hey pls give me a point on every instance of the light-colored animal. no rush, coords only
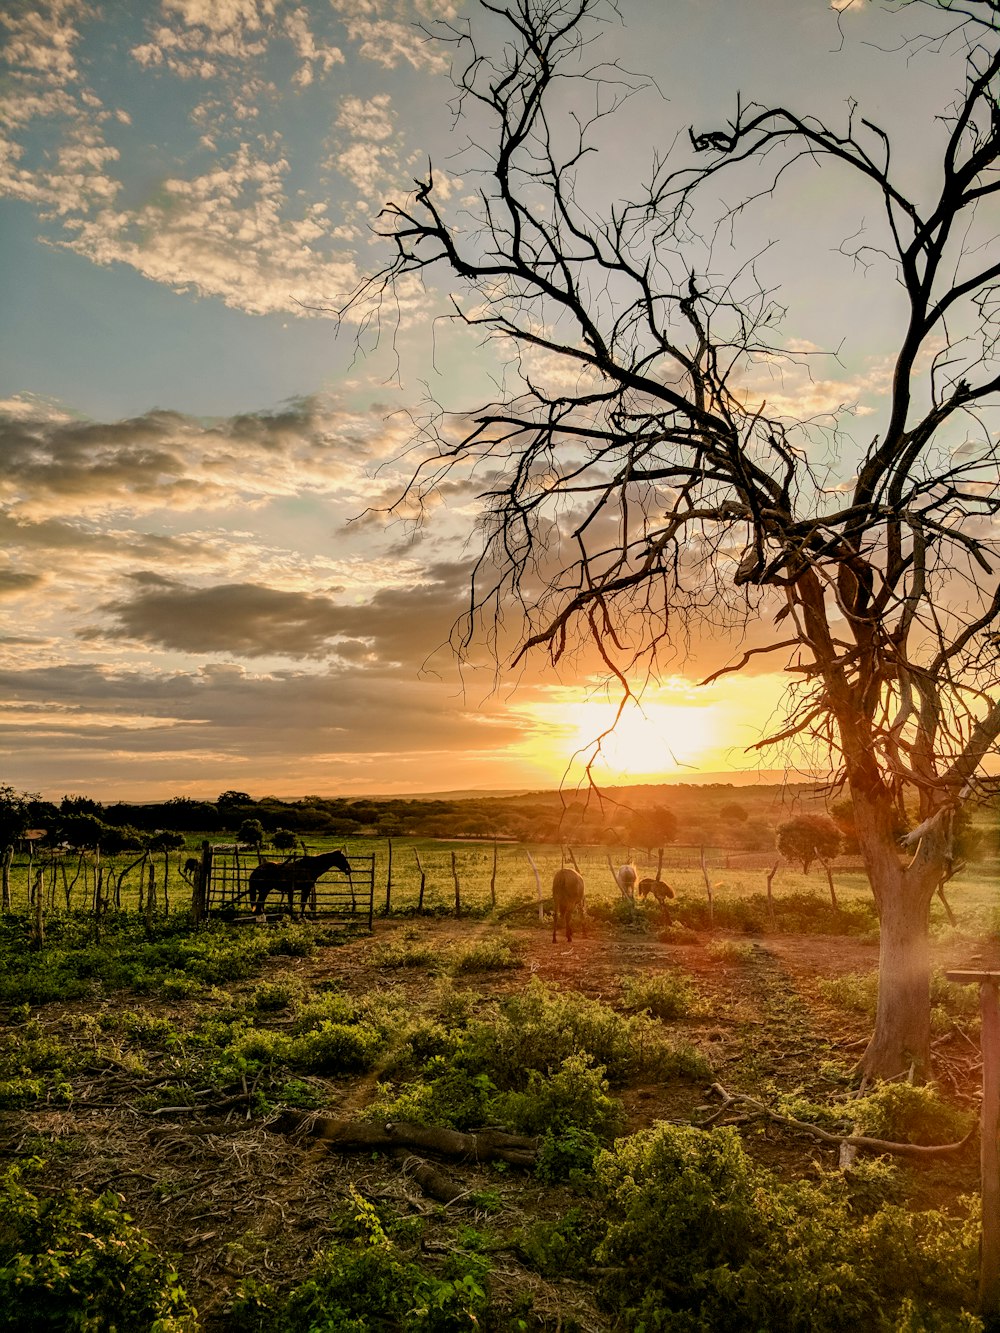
(567, 896)
(626, 877)
(291, 877)
(657, 887)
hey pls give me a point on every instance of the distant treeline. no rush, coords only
(719, 814)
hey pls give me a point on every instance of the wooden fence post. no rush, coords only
(708, 889)
(493, 879)
(458, 892)
(423, 880)
(538, 884)
(989, 1141)
(8, 856)
(770, 900)
(199, 898)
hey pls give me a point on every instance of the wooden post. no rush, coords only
(659, 864)
(388, 880)
(770, 901)
(38, 927)
(833, 891)
(199, 898)
(708, 888)
(538, 884)
(8, 856)
(989, 1140)
(423, 880)
(151, 895)
(493, 879)
(458, 892)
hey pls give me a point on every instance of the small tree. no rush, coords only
(284, 840)
(15, 816)
(808, 838)
(734, 813)
(227, 800)
(653, 827)
(251, 832)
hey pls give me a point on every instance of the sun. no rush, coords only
(649, 739)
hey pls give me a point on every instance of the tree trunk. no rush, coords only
(902, 1037)
(901, 1041)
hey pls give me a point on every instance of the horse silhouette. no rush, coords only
(289, 877)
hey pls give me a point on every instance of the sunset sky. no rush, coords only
(196, 593)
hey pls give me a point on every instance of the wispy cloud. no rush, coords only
(221, 218)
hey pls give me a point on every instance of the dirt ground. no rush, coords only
(233, 1198)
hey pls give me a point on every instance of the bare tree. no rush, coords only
(661, 495)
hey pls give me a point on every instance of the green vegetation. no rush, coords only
(700, 1238)
(662, 994)
(143, 1024)
(72, 1264)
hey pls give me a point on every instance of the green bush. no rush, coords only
(492, 953)
(574, 1097)
(662, 994)
(905, 1114)
(700, 1239)
(365, 1284)
(449, 1095)
(72, 1264)
(540, 1027)
(336, 1048)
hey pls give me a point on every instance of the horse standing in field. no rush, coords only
(567, 895)
(626, 877)
(291, 877)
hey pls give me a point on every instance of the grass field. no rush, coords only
(737, 881)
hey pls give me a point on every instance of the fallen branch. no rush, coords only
(488, 1145)
(432, 1181)
(918, 1150)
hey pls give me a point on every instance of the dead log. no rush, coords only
(433, 1182)
(488, 1145)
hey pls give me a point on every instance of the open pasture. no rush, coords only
(221, 1087)
(714, 886)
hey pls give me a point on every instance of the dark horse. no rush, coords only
(289, 877)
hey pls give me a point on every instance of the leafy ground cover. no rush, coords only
(148, 1183)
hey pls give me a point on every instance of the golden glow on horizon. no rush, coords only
(646, 741)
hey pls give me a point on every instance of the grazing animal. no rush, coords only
(291, 877)
(567, 896)
(626, 877)
(657, 887)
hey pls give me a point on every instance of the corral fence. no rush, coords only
(221, 888)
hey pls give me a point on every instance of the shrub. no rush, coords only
(493, 953)
(575, 1097)
(70, 1263)
(336, 1048)
(365, 1284)
(905, 1114)
(662, 994)
(407, 953)
(448, 1095)
(700, 1238)
(540, 1027)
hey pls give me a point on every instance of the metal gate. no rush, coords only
(222, 888)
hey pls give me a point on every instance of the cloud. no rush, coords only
(250, 620)
(386, 32)
(13, 582)
(221, 220)
(56, 466)
(108, 731)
